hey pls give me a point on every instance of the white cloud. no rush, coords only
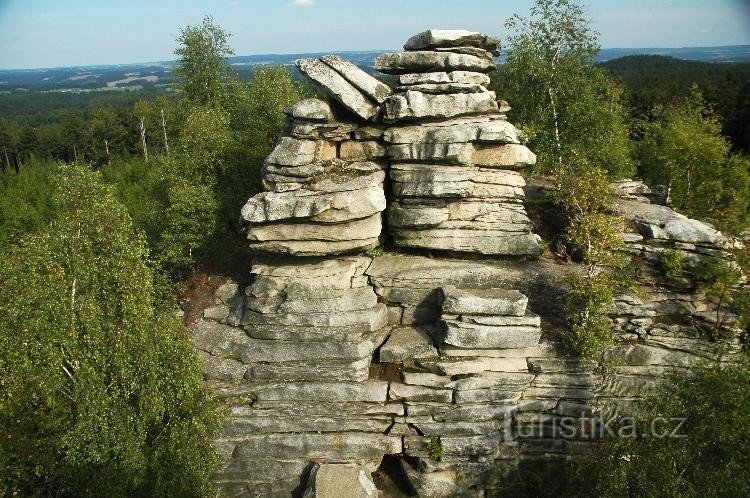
(234, 3)
(303, 3)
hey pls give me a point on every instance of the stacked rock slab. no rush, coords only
(455, 160)
(324, 188)
(462, 401)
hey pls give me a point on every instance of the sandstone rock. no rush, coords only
(338, 87)
(405, 344)
(323, 207)
(441, 88)
(483, 301)
(293, 152)
(435, 38)
(418, 105)
(311, 109)
(431, 61)
(399, 391)
(466, 335)
(369, 317)
(465, 77)
(474, 241)
(508, 156)
(434, 180)
(460, 130)
(361, 150)
(365, 83)
(347, 446)
(340, 481)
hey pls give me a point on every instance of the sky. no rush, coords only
(55, 33)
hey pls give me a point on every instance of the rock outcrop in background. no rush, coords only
(334, 361)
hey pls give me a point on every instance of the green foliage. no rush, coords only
(713, 460)
(435, 448)
(101, 394)
(202, 71)
(594, 234)
(671, 262)
(25, 203)
(566, 104)
(683, 149)
(720, 281)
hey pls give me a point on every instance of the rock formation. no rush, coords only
(455, 160)
(330, 358)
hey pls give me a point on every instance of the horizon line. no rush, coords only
(163, 61)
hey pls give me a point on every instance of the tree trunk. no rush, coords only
(143, 140)
(164, 129)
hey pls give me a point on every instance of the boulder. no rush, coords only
(460, 130)
(465, 77)
(311, 110)
(491, 301)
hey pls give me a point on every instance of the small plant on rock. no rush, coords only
(671, 262)
(435, 448)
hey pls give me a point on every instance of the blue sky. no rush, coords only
(47, 33)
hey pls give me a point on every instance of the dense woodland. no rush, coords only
(109, 202)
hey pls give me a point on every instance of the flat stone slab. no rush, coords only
(441, 77)
(412, 105)
(455, 131)
(292, 152)
(431, 61)
(407, 343)
(503, 156)
(500, 302)
(474, 336)
(364, 82)
(322, 207)
(338, 87)
(351, 230)
(447, 38)
(490, 242)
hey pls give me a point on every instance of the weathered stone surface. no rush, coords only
(465, 77)
(292, 152)
(529, 319)
(322, 207)
(508, 156)
(365, 83)
(474, 241)
(431, 61)
(469, 215)
(311, 110)
(345, 446)
(369, 318)
(500, 302)
(340, 481)
(412, 105)
(406, 344)
(361, 150)
(321, 238)
(447, 38)
(469, 335)
(435, 180)
(459, 130)
(441, 88)
(338, 87)
(407, 392)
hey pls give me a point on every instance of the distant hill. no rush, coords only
(157, 75)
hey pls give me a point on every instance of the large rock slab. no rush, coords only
(436, 78)
(406, 344)
(491, 301)
(293, 152)
(455, 131)
(322, 207)
(340, 480)
(507, 156)
(474, 336)
(448, 38)
(446, 181)
(338, 87)
(364, 82)
(431, 61)
(412, 105)
(490, 242)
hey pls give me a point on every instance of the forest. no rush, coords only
(111, 202)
